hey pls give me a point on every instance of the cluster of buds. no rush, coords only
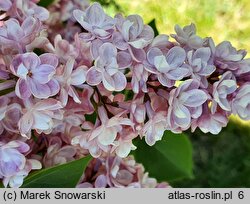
(75, 81)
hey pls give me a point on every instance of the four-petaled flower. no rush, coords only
(200, 68)
(222, 90)
(35, 75)
(168, 67)
(39, 116)
(95, 21)
(15, 37)
(185, 102)
(68, 78)
(107, 70)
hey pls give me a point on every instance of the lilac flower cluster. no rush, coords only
(75, 81)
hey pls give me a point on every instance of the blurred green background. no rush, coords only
(219, 160)
(222, 20)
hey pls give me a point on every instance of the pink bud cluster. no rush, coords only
(100, 82)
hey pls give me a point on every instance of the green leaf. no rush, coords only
(45, 3)
(62, 176)
(153, 25)
(6, 91)
(169, 159)
(91, 117)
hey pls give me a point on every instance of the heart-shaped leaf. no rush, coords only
(62, 176)
(169, 159)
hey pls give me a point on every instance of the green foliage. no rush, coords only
(62, 176)
(222, 20)
(169, 159)
(220, 161)
(153, 25)
(6, 91)
(91, 117)
(45, 3)
(109, 3)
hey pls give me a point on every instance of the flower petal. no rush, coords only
(108, 82)
(107, 136)
(43, 73)
(41, 121)
(176, 56)
(203, 53)
(120, 81)
(93, 77)
(22, 89)
(78, 76)
(193, 98)
(50, 59)
(181, 115)
(178, 73)
(25, 124)
(95, 14)
(40, 90)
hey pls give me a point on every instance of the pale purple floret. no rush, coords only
(104, 136)
(63, 49)
(68, 78)
(4, 73)
(12, 158)
(13, 164)
(15, 37)
(153, 130)
(30, 8)
(222, 90)
(139, 78)
(39, 116)
(5, 5)
(187, 37)
(107, 70)
(209, 122)
(226, 57)
(3, 106)
(24, 8)
(168, 67)
(57, 153)
(10, 117)
(107, 132)
(95, 21)
(185, 103)
(132, 35)
(241, 102)
(35, 75)
(137, 86)
(199, 65)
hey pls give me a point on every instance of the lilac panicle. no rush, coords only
(75, 81)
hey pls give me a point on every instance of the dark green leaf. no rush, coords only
(6, 91)
(153, 25)
(91, 118)
(62, 176)
(38, 51)
(169, 159)
(45, 3)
